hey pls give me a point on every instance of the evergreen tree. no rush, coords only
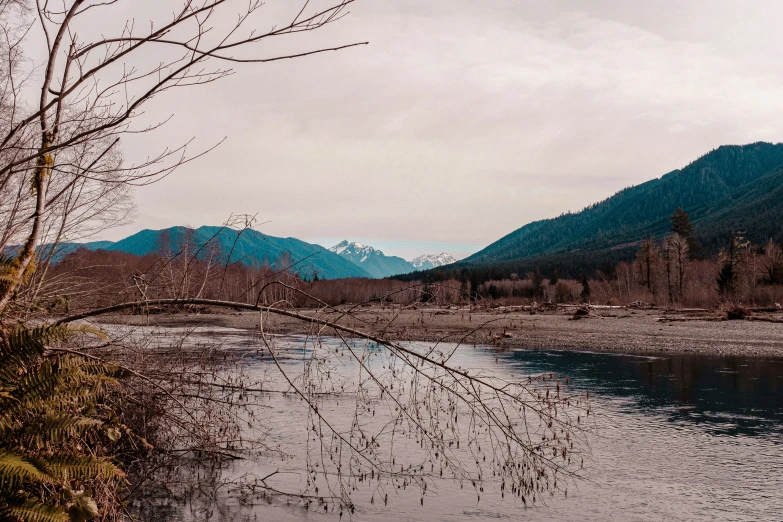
(555, 277)
(427, 293)
(681, 225)
(585, 289)
(538, 284)
(732, 259)
(682, 249)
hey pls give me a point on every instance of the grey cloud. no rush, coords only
(462, 121)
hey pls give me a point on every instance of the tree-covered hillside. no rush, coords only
(756, 211)
(731, 189)
(248, 247)
(710, 181)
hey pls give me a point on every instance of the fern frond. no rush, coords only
(16, 470)
(31, 510)
(105, 370)
(57, 377)
(63, 399)
(78, 467)
(91, 368)
(75, 399)
(41, 384)
(54, 429)
(20, 339)
(24, 345)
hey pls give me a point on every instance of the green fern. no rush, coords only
(31, 510)
(16, 470)
(47, 420)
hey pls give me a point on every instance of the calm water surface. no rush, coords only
(678, 437)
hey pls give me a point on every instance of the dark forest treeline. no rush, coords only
(580, 263)
(670, 271)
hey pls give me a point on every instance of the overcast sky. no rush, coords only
(463, 120)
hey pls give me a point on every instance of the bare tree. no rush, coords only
(773, 263)
(92, 90)
(61, 171)
(669, 259)
(676, 258)
(524, 435)
(680, 246)
(646, 260)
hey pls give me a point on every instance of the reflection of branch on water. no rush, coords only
(468, 423)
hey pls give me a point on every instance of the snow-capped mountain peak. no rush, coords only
(372, 260)
(427, 261)
(346, 248)
(378, 264)
(340, 247)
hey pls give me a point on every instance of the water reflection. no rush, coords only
(724, 395)
(678, 437)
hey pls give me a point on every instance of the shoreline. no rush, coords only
(616, 330)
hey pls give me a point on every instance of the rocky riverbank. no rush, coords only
(618, 329)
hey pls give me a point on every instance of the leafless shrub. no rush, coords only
(524, 436)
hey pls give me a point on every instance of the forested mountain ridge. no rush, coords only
(755, 211)
(248, 247)
(702, 188)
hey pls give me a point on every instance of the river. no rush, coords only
(673, 437)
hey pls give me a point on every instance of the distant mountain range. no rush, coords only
(248, 247)
(379, 265)
(254, 248)
(732, 188)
